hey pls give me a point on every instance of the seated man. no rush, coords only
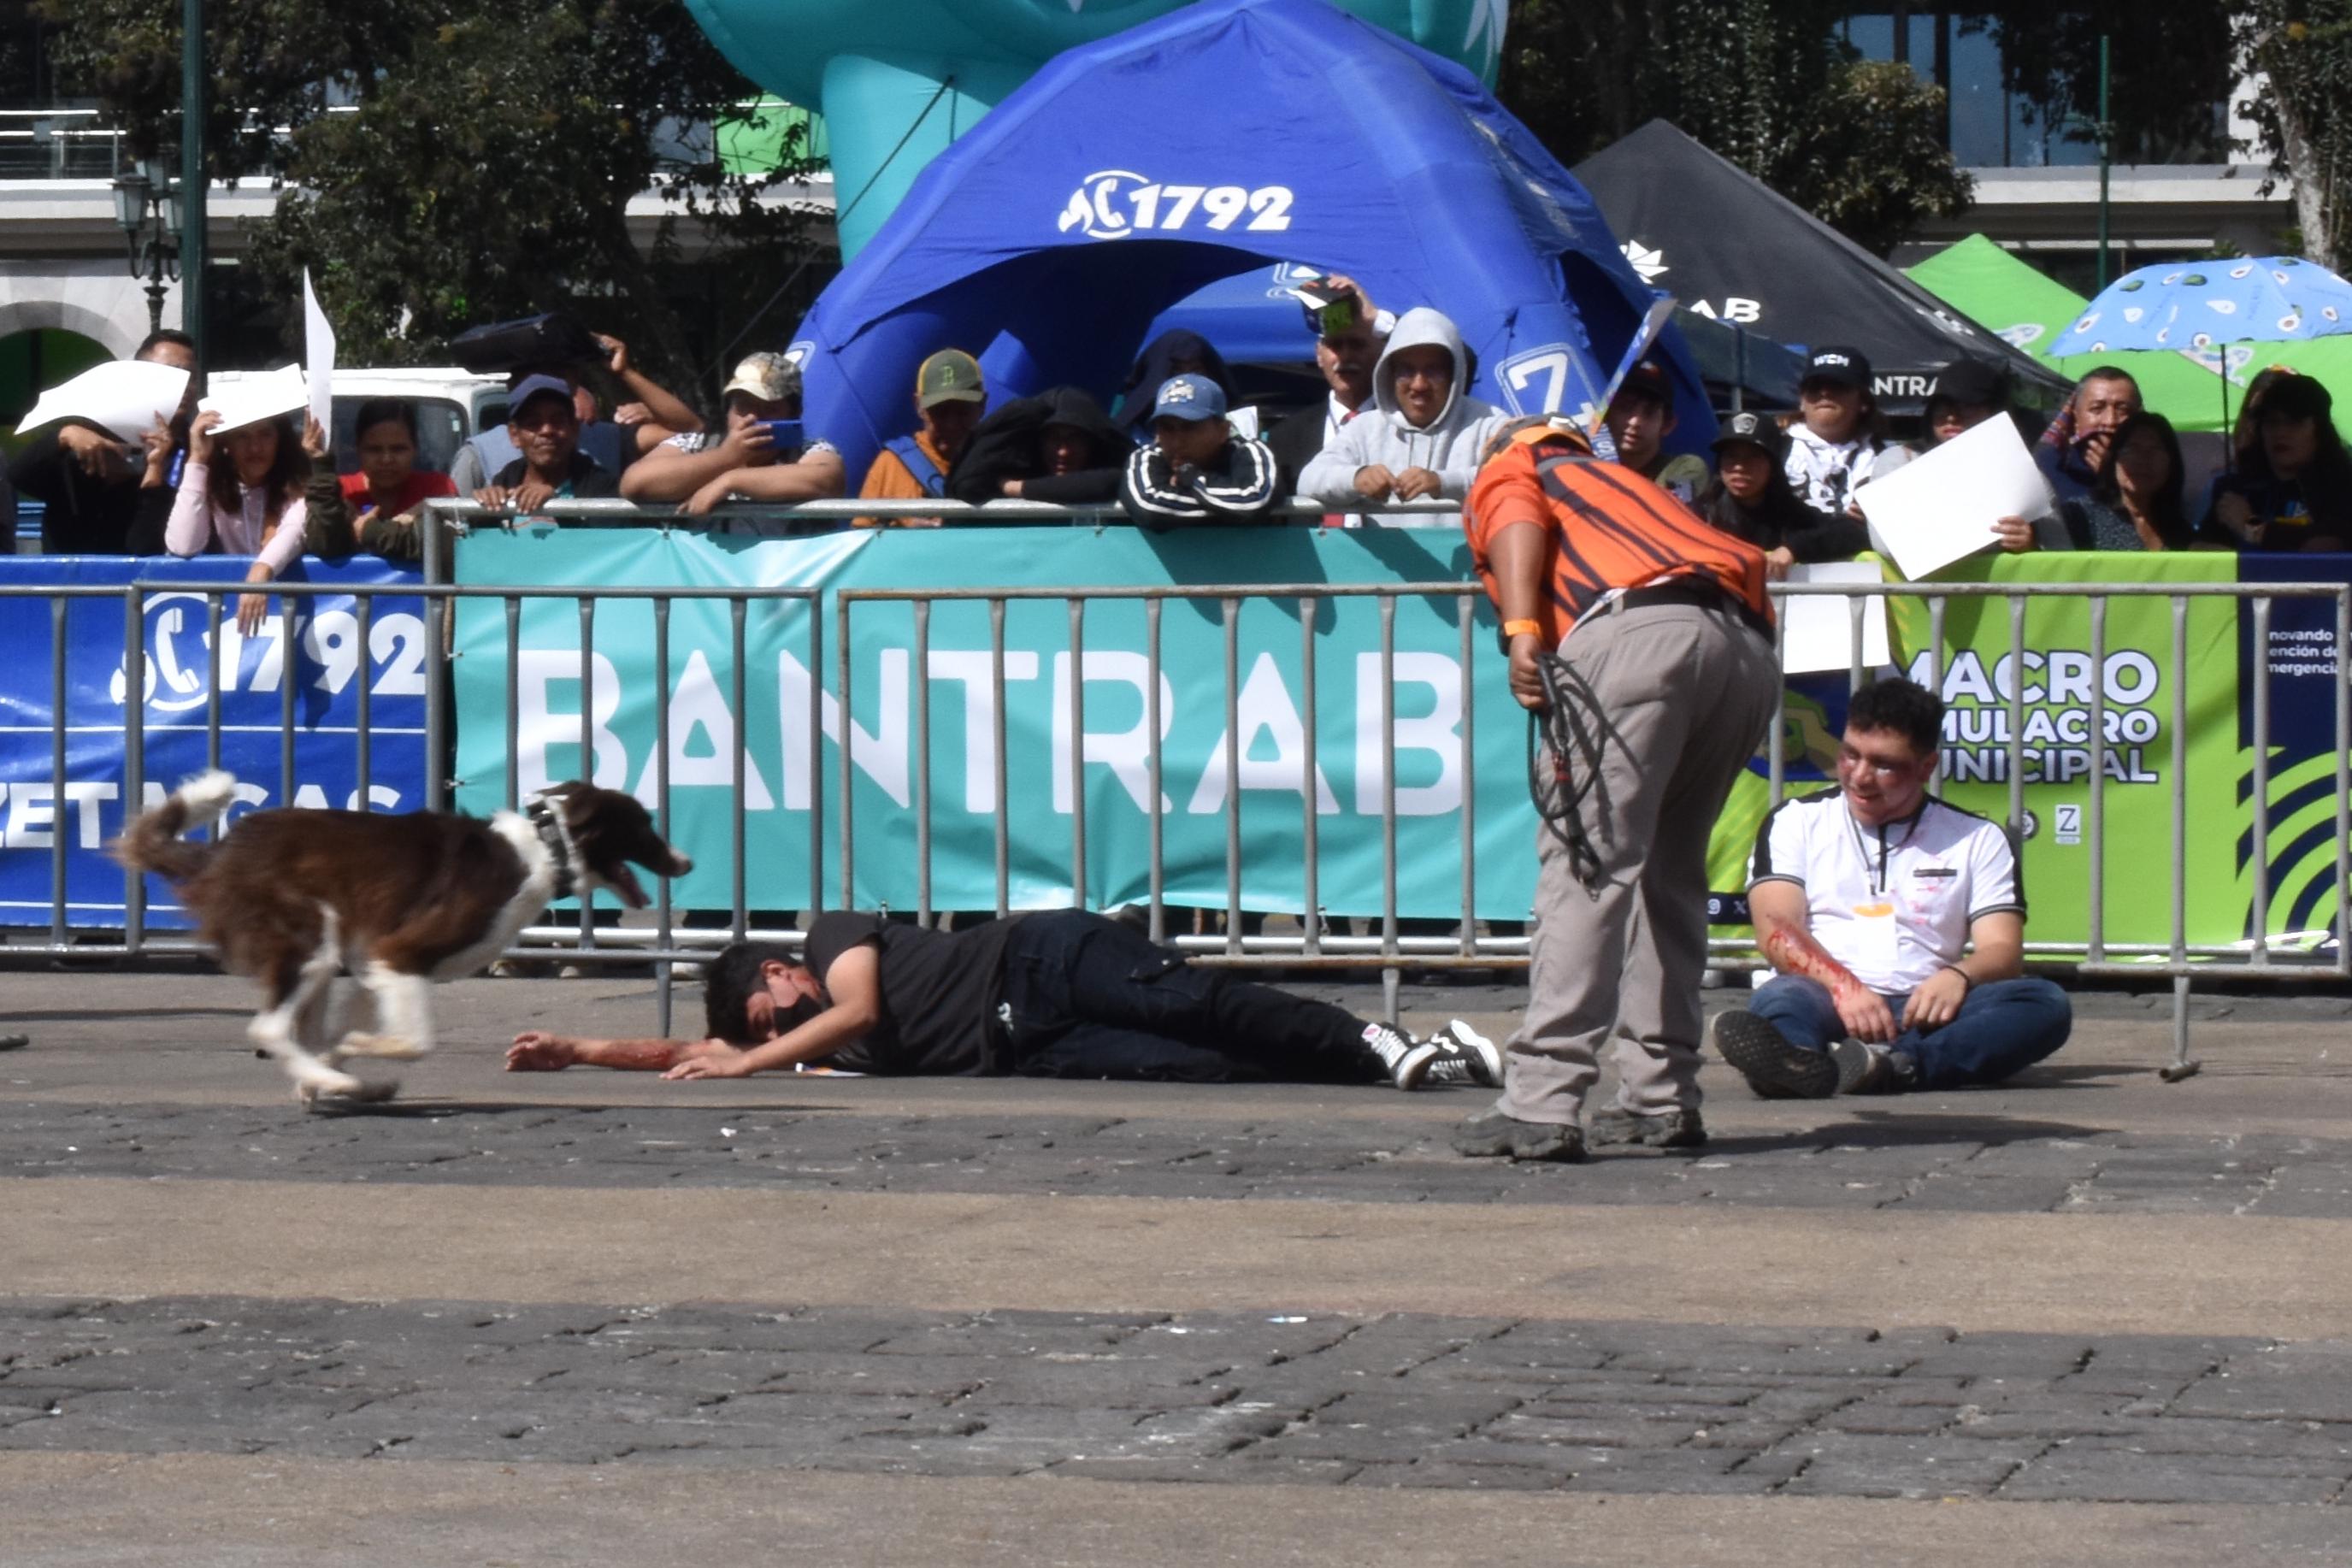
(1640, 419)
(1426, 432)
(546, 430)
(1866, 898)
(745, 464)
(948, 398)
(1195, 469)
(1060, 994)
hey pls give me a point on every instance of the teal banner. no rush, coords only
(1436, 702)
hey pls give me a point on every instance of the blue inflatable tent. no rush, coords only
(1222, 139)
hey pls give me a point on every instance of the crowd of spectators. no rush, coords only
(1180, 447)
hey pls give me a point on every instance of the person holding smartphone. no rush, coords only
(747, 460)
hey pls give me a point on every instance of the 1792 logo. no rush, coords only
(1113, 203)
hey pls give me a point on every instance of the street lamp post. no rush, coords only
(147, 205)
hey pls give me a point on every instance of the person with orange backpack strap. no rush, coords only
(1640, 637)
(950, 398)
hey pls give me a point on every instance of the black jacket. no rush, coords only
(85, 516)
(1005, 447)
(1238, 485)
(591, 480)
(1783, 520)
(1295, 441)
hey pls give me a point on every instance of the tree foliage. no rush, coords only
(1766, 83)
(2171, 69)
(447, 164)
(2303, 50)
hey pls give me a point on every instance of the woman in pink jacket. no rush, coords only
(250, 504)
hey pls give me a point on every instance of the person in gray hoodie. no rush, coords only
(1423, 434)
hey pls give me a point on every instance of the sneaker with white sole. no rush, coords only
(1405, 1059)
(1773, 1068)
(1480, 1058)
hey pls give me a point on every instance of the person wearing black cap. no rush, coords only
(1968, 392)
(2295, 491)
(1750, 497)
(1640, 419)
(1836, 450)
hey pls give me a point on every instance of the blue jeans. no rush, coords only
(2003, 1027)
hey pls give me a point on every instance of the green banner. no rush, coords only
(2137, 671)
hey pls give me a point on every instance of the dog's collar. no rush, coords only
(556, 834)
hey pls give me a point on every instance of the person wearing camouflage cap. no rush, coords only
(758, 457)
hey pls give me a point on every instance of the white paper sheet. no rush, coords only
(1940, 507)
(1819, 627)
(262, 397)
(126, 396)
(317, 356)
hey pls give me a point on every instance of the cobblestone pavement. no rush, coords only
(1791, 1404)
(1400, 1401)
(1874, 1160)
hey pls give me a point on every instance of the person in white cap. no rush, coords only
(752, 459)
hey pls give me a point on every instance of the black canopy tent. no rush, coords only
(1729, 246)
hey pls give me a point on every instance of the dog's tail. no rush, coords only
(152, 842)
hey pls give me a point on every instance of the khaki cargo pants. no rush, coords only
(1680, 696)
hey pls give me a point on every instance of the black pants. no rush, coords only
(1092, 999)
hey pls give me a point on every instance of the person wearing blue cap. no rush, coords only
(1195, 469)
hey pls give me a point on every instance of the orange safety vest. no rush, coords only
(1607, 528)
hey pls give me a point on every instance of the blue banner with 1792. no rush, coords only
(186, 607)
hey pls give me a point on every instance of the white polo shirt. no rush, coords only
(1892, 903)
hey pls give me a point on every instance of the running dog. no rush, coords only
(292, 897)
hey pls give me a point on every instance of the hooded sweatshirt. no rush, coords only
(1005, 447)
(1448, 446)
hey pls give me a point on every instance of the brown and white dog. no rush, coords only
(292, 897)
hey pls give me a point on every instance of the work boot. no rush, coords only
(1866, 1068)
(1773, 1068)
(1471, 1058)
(1677, 1128)
(1496, 1136)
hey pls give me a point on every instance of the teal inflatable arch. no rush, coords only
(900, 80)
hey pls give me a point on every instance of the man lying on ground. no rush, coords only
(1059, 993)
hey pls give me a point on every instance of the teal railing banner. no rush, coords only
(1434, 696)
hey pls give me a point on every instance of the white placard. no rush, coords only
(264, 396)
(1818, 628)
(1940, 507)
(125, 396)
(317, 356)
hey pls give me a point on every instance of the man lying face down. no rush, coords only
(1057, 994)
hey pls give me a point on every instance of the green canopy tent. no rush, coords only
(2012, 299)
(1999, 292)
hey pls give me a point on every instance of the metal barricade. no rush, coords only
(1314, 944)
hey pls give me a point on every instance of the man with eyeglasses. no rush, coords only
(1425, 433)
(1898, 925)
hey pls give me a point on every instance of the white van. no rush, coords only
(451, 406)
